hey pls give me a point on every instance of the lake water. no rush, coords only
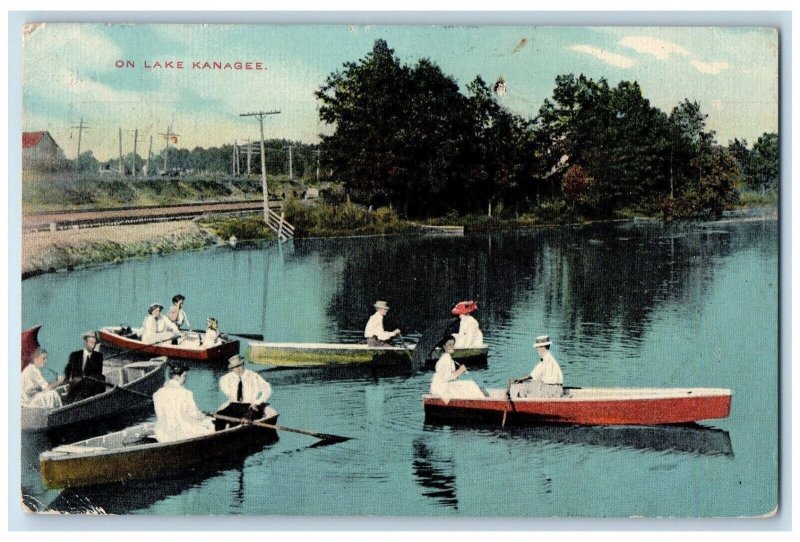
(631, 305)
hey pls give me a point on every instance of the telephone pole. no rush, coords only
(81, 127)
(135, 142)
(291, 174)
(150, 156)
(121, 161)
(261, 115)
(249, 154)
(169, 135)
(317, 153)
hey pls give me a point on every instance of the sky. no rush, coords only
(70, 72)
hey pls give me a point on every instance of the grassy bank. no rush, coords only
(329, 220)
(45, 252)
(251, 228)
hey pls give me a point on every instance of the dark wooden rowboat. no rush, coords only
(140, 377)
(322, 354)
(588, 406)
(119, 338)
(133, 454)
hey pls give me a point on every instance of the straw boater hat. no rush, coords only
(153, 307)
(381, 305)
(465, 307)
(88, 334)
(235, 361)
(542, 340)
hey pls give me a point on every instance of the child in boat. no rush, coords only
(36, 391)
(211, 336)
(546, 379)
(177, 415)
(469, 331)
(444, 382)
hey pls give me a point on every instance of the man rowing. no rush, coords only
(546, 379)
(84, 370)
(37, 392)
(246, 391)
(469, 331)
(374, 332)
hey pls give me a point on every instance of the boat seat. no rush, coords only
(114, 376)
(73, 449)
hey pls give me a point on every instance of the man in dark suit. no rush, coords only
(85, 363)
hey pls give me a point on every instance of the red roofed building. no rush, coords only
(40, 152)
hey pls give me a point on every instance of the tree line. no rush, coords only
(406, 136)
(213, 160)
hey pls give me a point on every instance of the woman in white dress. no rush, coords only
(177, 415)
(469, 331)
(445, 383)
(36, 391)
(156, 328)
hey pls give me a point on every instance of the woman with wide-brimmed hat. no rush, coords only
(445, 383)
(469, 331)
(156, 328)
(374, 332)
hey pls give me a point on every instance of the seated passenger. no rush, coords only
(176, 314)
(156, 328)
(469, 331)
(247, 393)
(444, 382)
(36, 391)
(211, 336)
(177, 415)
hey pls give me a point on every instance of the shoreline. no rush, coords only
(69, 250)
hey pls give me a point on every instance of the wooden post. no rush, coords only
(280, 225)
(121, 162)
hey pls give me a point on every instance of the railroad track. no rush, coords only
(62, 220)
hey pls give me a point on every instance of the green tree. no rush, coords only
(763, 167)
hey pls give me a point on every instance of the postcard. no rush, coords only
(416, 271)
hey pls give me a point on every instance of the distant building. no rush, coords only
(40, 152)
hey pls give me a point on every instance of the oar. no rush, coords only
(252, 336)
(322, 436)
(405, 347)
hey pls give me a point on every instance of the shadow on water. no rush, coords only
(123, 498)
(435, 474)
(692, 439)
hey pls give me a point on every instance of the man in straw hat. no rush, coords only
(177, 415)
(469, 331)
(246, 391)
(374, 332)
(546, 379)
(84, 370)
(156, 328)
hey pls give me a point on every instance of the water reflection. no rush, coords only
(435, 474)
(692, 439)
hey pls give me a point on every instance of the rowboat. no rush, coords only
(126, 338)
(129, 381)
(134, 454)
(321, 354)
(587, 406)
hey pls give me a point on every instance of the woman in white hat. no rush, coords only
(37, 392)
(156, 328)
(546, 379)
(374, 332)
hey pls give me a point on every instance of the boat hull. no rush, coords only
(149, 460)
(144, 377)
(588, 406)
(318, 355)
(110, 339)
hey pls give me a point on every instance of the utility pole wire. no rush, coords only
(261, 115)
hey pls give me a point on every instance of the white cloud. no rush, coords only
(709, 67)
(661, 49)
(608, 57)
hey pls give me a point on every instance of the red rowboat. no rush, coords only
(119, 338)
(588, 406)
